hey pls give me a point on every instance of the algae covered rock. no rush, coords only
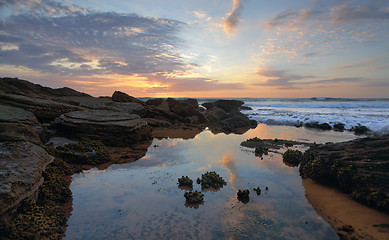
(84, 152)
(257, 190)
(259, 151)
(194, 197)
(185, 182)
(292, 157)
(243, 195)
(211, 180)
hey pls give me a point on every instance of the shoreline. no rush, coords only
(339, 209)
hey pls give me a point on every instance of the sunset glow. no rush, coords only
(173, 48)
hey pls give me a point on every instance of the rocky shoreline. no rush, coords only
(35, 169)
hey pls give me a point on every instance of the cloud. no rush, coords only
(41, 7)
(331, 13)
(279, 78)
(348, 13)
(284, 80)
(108, 43)
(231, 22)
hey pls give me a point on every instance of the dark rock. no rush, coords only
(211, 180)
(322, 126)
(226, 105)
(22, 87)
(21, 166)
(243, 196)
(186, 110)
(245, 108)
(257, 190)
(359, 130)
(216, 114)
(292, 157)
(185, 182)
(339, 127)
(270, 143)
(346, 228)
(359, 167)
(194, 197)
(118, 96)
(191, 101)
(112, 128)
(259, 151)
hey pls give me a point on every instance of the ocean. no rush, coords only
(372, 113)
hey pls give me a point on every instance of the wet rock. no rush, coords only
(346, 228)
(271, 143)
(245, 108)
(216, 114)
(339, 127)
(194, 197)
(259, 151)
(243, 195)
(322, 126)
(112, 128)
(118, 96)
(84, 152)
(359, 167)
(359, 130)
(211, 180)
(292, 157)
(21, 167)
(257, 190)
(185, 182)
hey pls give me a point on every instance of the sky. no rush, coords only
(182, 48)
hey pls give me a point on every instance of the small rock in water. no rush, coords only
(244, 196)
(257, 190)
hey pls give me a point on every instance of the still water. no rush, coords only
(141, 200)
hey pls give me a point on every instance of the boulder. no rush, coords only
(118, 96)
(186, 110)
(359, 167)
(237, 120)
(191, 101)
(160, 103)
(21, 167)
(215, 114)
(111, 127)
(226, 105)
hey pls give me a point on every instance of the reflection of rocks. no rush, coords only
(112, 128)
(292, 157)
(359, 167)
(243, 196)
(211, 180)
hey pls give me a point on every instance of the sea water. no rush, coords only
(372, 113)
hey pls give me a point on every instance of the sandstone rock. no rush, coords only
(22, 87)
(21, 167)
(226, 105)
(160, 103)
(16, 115)
(185, 110)
(112, 128)
(44, 110)
(118, 96)
(359, 167)
(191, 101)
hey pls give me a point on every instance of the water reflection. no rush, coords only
(141, 200)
